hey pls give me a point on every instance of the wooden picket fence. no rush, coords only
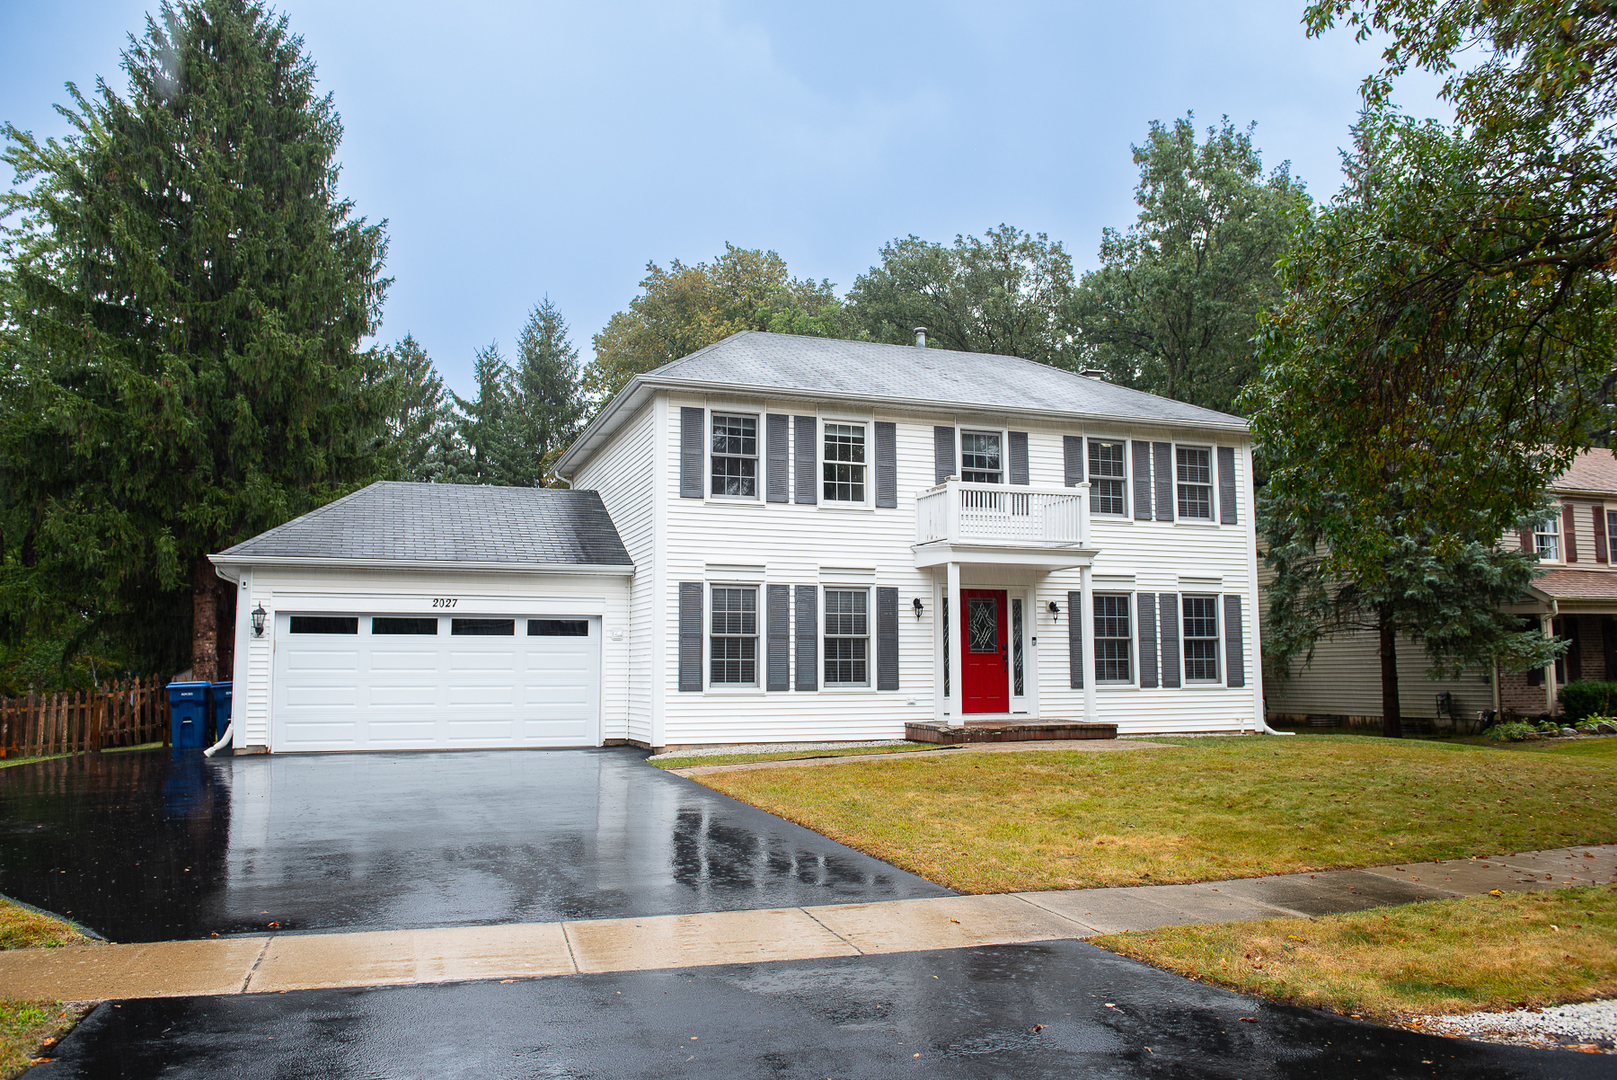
(125, 713)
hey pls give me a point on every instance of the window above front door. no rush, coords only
(980, 459)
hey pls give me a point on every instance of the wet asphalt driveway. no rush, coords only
(141, 847)
(1029, 1012)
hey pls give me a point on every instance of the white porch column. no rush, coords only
(1086, 630)
(1548, 623)
(952, 646)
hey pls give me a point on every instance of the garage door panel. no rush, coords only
(407, 692)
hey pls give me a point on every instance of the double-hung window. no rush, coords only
(733, 641)
(1547, 537)
(844, 465)
(1195, 477)
(847, 637)
(1611, 537)
(980, 461)
(1106, 477)
(1114, 639)
(735, 456)
(1201, 638)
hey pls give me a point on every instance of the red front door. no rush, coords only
(985, 670)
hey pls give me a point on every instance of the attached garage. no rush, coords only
(430, 617)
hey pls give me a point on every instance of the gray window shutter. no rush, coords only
(779, 451)
(1018, 457)
(807, 434)
(691, 423)
(1226, 485)
(1142, 480)
(886, 639)
(886, 463)
(1147, 605)
(808, 637)
(1075, 639)
(779, 615)
(1168, 605)
(1234, 645)
(1072, 459)
(942, 453)
(1162, 460)
(690, 635)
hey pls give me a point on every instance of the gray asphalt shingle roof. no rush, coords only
(866, 370)
(450, 523)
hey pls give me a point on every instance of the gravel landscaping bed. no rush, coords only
(1589, 1025)
(774, 748)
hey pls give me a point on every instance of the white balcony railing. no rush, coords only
(1002, 514)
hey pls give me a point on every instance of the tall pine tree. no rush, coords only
(192, 293)
(549, 402)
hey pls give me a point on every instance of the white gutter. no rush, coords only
(222, 562)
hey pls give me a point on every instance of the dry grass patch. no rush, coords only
(27, 1025)
(688, 761)
(1481, 953)
(28, 1030)
(1209, 809)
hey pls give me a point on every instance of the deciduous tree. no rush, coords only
(1173, 307)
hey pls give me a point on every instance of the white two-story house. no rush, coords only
(812, 540)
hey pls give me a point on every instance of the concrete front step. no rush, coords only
(278, 962)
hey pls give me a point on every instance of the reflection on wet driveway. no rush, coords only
(141, 847)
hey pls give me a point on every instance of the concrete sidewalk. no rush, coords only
(276, 962)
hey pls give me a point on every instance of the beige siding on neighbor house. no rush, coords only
(1344, 679)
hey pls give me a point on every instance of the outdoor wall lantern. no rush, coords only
(258, 620)
(916, 604)
(1055, 611)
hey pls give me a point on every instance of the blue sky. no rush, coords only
(525, 149)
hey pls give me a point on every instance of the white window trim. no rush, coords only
(869, 685)
(868, 425)
(760, 657)
(1553, 521)
(1004, 434)
(1134, 644)
(1127, 513)
(1185, 681)
(1212, 484)
(760, 445)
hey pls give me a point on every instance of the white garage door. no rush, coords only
(411, 682)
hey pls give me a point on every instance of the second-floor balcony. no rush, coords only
(960, 521)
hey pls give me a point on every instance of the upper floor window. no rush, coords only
(1106, 477)
(1201, 638)
(733, 644)
(980, 457)
(1114, 639)
(847, 637)
(1611, 536)
(844, 466)
(1547, 538)
(735, 455)
(1195, 476)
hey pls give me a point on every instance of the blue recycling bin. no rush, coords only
(219, 712)
(188, 714)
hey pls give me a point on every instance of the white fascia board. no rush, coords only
(943, 552)
(602, 427)
(221, 562)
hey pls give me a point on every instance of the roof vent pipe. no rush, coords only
(920, 337)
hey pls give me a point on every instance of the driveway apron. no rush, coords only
(142, 846)
(1058, 1009)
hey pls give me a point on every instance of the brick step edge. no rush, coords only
(1044, 732)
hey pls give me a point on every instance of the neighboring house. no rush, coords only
(1574, 599)
(807, 519)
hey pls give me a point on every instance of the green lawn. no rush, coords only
(1201, 810)
(27, 1025)
(1481, 953)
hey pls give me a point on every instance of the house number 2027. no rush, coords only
(443, 601)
